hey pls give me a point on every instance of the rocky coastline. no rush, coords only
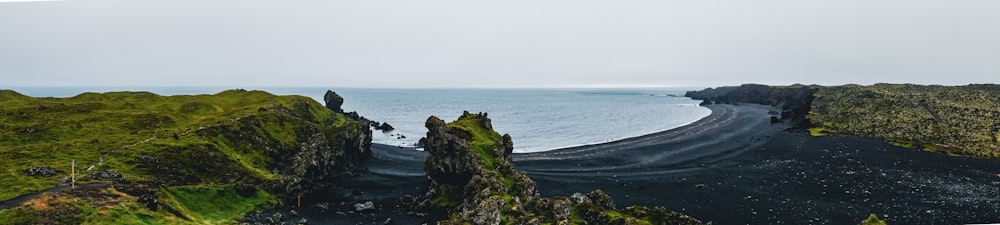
(291, 160)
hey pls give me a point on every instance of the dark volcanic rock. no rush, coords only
(385, 127)
(319, 162)
(795, 100)
(473, 181)
(43, 171)
(149, 200)
(333, 101)
(774, 119)
(107, 176)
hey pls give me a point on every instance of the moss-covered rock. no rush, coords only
(873, 220)
(474, 181)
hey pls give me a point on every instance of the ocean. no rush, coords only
(536, 119)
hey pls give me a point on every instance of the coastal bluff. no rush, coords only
(473, 181)
(795, 101)
(956, 120)
(143, 158)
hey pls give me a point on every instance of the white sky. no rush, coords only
(519, 43)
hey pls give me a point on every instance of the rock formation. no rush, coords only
(384, 127)
(795, 100)
(333, 101)
(474, 181)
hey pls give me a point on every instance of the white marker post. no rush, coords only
(72, 166)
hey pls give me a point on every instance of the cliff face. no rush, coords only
(170, 151)
(795, 100)
(314, 153)
(474, 180)
(958, 120)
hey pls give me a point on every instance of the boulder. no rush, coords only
(41, 171)
(365, 207)
(108, 176)
(601, 199)
(149, 200)
(384, 127)
(333, 101)
(579, 198)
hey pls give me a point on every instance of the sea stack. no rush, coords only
(333, 101)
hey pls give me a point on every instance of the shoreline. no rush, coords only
(733, 161)
(699, 120)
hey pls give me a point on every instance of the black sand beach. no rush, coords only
(732, 167)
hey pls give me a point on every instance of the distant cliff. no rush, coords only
(473, 181)
(795, 101)
(171, 159)
(961, 120)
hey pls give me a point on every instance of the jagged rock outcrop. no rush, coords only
(317, 154)
(384, 127)
(795, 100)
(473, 181)
(333, 101)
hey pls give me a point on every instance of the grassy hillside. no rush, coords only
(169, 147)
(961, 120)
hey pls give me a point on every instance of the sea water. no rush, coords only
(536, 119)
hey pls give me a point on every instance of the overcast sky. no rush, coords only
(530, 43)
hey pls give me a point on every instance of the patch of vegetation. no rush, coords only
(483, 138)
(499, 188)
(192, 144)
(962, 120)
(872, 220)
(192, 205)
(214, 204)
(449, 196)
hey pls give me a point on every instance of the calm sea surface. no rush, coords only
(537, 119)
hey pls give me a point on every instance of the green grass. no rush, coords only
(214, 204)
(129, 212)
(817, 131)
(111, 208)
(125, 125)
(201, 141)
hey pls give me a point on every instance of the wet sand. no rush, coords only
(732, 167)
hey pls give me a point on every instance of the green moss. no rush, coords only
(921, 117)
(575, 217)
(448, 196)
(872, 220)
(903, 144)
(483, 138)
(817, 131)
(613, 215)
(214, 204)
